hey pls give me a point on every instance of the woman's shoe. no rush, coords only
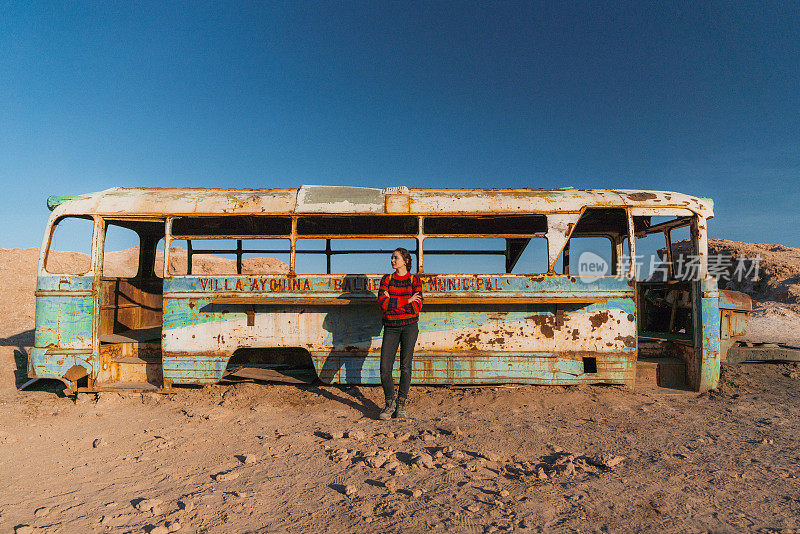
(400, 411)
(387, 412)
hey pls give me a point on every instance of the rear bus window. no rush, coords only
(70, 250)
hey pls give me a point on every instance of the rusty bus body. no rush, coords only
(97, 332)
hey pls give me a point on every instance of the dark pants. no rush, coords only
(406, 338)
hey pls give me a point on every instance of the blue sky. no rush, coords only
(700, 99)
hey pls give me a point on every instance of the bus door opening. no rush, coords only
(131, 288)
(667, 260)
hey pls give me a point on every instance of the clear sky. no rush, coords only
(698, 98)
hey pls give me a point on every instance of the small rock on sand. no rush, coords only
(394, 464)
(491, 456)
(249, 458)
(416, 493)
(97, 443)
(173, 526)
(357, 435)
(24, 529)
(186, 505)
(226, 475)
(456, 455)
(405, 436)
(350, 490)
(160, 529)
(147, 504)
(424, 460)
(609, 461)
(41, 512)
(375, 461)
(503, 493)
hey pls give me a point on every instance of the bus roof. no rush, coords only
(121, 201)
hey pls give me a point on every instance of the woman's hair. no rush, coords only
(406, 255)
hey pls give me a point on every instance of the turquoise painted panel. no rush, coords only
(64, 320)
(534, 368)
(193, 368)
(55, 365)
(64, 283)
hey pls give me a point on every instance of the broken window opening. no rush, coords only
(229, 256)
(655, 238)
(592, 246)
(464, 255)
(70, 247)
(350, 256)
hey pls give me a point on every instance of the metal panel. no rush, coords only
(498, 339)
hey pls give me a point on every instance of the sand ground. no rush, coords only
(254, 457)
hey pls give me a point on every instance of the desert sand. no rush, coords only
(257, 457)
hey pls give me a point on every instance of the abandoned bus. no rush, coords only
(188, 286)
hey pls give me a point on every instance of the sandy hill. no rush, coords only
(778, 268)
(775, 292)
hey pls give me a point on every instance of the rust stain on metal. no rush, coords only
(599, 318)
(629, 341)
(546, 324)
(642, 195)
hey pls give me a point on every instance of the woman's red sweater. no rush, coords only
(397, 311)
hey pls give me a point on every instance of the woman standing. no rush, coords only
(400, 298)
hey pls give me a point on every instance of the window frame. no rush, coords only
(92, 252)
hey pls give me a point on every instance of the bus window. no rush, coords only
(229, 256)
(356, 225)
(685, 262)
(270, 256)
(624, 258)
(464, 255)
(70, 249)
(486, 225)
(590, 249)
(348, 256)
(332, 244)
(592, 256)
(158, 265)
(120, 252)
(310, 256)
(239, 225)
(367, 256)
(533, 259)
(651, 242)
